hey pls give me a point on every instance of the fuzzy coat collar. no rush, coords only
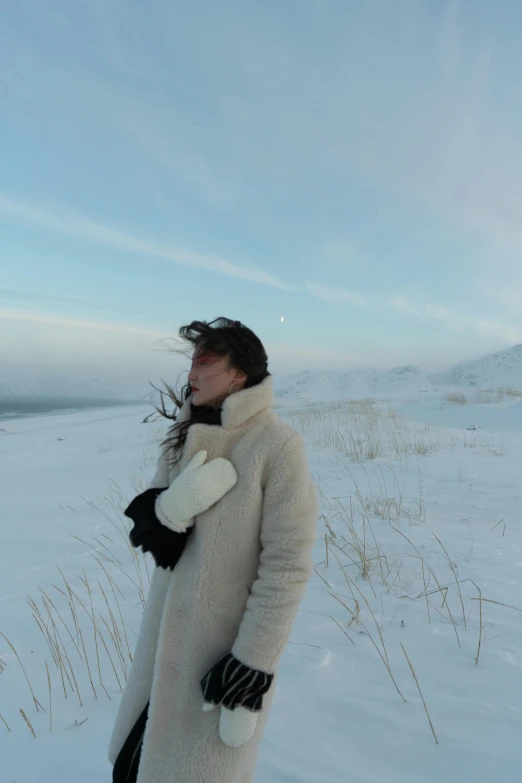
(240, 406)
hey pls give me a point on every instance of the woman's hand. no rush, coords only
(165, 546)
(195, 490)
(239, 691)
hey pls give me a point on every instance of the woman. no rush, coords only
(230, 519)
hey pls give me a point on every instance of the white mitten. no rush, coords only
(195, 490)
(237, 726)
(238, 690)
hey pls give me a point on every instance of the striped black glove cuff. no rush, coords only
(232, 684)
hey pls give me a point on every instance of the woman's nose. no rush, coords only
(192, 376)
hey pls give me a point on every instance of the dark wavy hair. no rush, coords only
(222, 337)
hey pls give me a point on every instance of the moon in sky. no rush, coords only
(282, 319)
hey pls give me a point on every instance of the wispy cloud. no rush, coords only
(79, 323)
(456, 320)
(503, 289)
(111, 46)
(450, 318)
(452, 143)
(128, 99)
(89, 230)
(31, 296)
(341, 256)
(402, 305)
(335, 295)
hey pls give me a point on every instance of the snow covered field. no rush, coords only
(421, 518)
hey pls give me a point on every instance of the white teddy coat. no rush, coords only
(237, 587)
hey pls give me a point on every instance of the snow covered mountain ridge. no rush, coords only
(503, 368)
(494, 371)
(352, 383)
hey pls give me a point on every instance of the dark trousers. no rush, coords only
(126, 766)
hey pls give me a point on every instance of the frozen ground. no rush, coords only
(421, 517)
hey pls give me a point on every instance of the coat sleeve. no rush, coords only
(160, 480)
(288, 531)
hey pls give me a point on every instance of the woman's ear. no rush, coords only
(241, 377)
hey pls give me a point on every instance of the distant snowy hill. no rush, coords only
(503, 368)
(333, 384)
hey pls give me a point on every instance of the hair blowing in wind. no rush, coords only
(222, 337)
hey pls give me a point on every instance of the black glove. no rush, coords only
(164, 544)
(232, 684)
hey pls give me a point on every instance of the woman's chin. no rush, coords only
(199, 401)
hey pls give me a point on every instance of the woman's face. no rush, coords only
(212, 379)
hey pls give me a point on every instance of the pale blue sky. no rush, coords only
(355, 167)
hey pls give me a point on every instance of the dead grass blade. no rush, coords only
(419, 689)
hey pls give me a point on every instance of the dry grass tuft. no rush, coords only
(5, 723)
(103, 448)
(157, 434)
(361, 430)
(496, 396)
(82, 623)
(146, 459)
(28, 722)
(11, 645)
(456, 398)
(419, 689)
